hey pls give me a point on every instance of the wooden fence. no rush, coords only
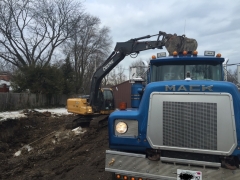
(15, 101)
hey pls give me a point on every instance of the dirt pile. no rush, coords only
(40, 147)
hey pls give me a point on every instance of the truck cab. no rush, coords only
(181, 67)
(185, 126)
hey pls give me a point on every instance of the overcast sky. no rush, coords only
(215, 24)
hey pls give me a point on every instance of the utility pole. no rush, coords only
(238, 73)
(225, 69)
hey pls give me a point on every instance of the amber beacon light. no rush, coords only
(195, 53)
(153, 57)
(122, 105)
(175, 53)
(184, 53)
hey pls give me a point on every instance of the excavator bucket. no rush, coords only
(180, 44)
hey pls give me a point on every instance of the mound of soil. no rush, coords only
(40, 147)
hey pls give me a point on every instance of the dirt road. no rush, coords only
(40, 147)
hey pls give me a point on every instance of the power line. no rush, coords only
(232, 64)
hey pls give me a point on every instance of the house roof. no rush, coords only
(4, 77)
(4, 82)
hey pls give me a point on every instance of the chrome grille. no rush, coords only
(190, 125)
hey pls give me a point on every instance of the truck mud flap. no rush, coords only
(138, 165)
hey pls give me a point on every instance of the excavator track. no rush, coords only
(99, 122)
(94, 121)
(78, 120)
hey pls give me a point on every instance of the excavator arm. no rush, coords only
(123, 49)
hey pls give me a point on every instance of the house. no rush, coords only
(122, 93)
(4, 82)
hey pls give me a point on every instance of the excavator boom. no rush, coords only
(122, 49)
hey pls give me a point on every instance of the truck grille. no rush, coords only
(195, 128)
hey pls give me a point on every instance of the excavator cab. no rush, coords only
(106, 101)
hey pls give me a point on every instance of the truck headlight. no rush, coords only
(121, 127)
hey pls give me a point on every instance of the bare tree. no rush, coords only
(88, 48)
(117, 76)
(141, 67)
(232, 76)
(31, 31)
(6, 66)
(105, 81)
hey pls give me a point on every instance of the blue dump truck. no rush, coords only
(184, 122)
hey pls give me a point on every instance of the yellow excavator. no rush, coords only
(86, 113)
(96, 107)
(92, 114)
(82, 106)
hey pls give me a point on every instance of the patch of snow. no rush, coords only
(79, 130)
(59, 111)
(60, 135)
(7, 83)
(18, 114)
(11, 115)
(29, 148)
(18, 153)
(54, 141)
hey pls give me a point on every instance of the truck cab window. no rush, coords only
(204, 72)
(178, 72)
(167, 72)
